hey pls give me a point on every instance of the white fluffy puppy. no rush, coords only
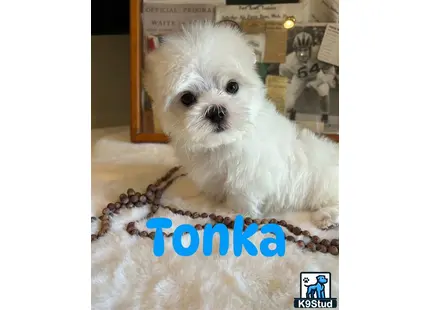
(228, 136)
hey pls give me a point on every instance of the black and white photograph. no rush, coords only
(311, 86)
(312, 95)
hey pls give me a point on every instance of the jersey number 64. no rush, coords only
(304, 73)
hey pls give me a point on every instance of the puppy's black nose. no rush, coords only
(216, 114)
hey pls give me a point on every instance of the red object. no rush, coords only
(151, 44)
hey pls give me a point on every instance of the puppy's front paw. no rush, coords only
(326, 218)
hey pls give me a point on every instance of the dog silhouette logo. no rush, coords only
(315, 291)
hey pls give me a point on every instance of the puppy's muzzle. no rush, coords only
(216, 114)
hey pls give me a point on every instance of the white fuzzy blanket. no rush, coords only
(126, 274)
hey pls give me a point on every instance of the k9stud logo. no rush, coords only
(315, 291)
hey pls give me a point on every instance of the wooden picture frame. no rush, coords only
(138, 134)
(141, 121)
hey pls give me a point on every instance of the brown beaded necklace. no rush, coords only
(154, 192)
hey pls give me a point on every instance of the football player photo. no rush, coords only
(312, 90)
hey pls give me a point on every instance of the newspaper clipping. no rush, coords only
(162, 19)
(267, 12)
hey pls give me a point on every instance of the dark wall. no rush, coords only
(109, 17)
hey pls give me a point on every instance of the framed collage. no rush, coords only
(302, 100)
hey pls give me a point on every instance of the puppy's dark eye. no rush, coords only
(232, 87)
(188, 99)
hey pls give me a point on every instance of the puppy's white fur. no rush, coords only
(262, 162)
